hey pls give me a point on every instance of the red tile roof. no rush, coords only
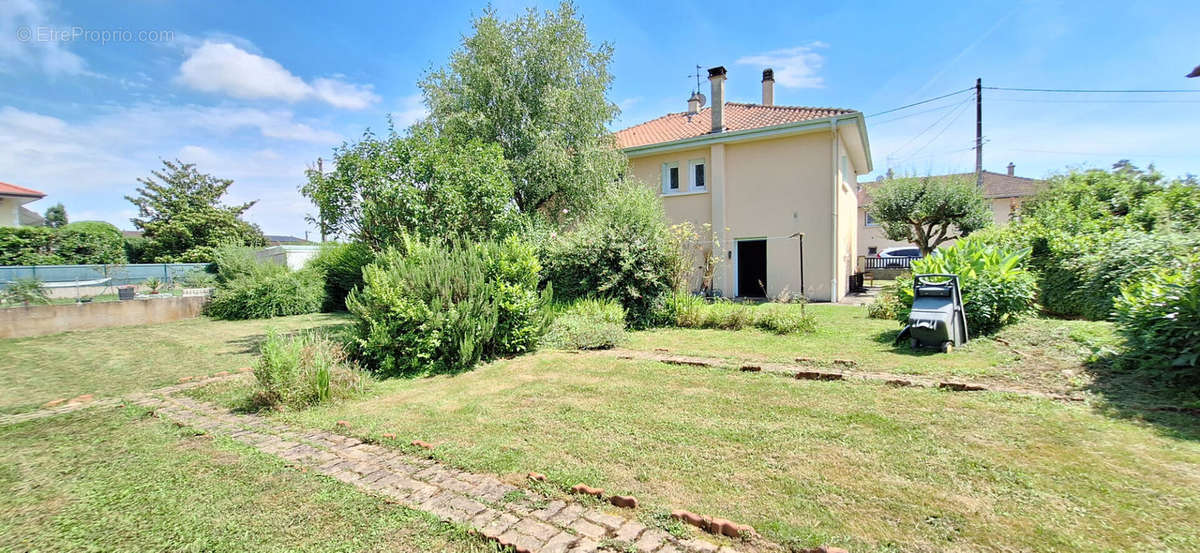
(14, 190)
(738, 117)
(995, 185)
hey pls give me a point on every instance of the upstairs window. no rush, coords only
(670, 177)
(697, 173)
(870, 221)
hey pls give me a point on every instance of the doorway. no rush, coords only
(752, 268)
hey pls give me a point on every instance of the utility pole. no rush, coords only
(979, 133)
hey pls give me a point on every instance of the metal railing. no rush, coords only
(888, 263)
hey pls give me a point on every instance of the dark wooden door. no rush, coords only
(752, 268)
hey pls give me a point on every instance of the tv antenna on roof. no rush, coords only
(696, 92)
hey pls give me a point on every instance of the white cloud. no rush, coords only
(794, 67)
(223, 67)
(23, 41)
(412, 109)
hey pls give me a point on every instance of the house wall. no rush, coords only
(10, 212)
(873, 236)
(847, 224)
(771, 188)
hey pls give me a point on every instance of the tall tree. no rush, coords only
(418, 184)
(536, 86)
(928, 211)
(56, 216)
(181, 216)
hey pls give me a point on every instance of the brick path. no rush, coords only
(481, 502)
(109, 402)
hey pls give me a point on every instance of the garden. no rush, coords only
(503, 299)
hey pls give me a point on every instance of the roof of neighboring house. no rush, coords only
(131, 233)
(281, 239)
(738, 117)
(995, 185)
(30, 218)
(14, 190)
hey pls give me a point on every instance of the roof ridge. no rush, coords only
(776, 106)
(21, 190)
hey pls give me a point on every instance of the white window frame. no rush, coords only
(692, 175)
(666, 178)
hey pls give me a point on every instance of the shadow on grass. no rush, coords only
(1158, 398)
(888, 338)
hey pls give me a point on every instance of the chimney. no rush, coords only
(768, 87)
(1011, 168)
(716, 76)
(694, 103)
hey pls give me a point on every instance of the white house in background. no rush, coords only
(12, 197)
(1004, 194)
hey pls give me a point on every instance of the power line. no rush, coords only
(1114, 101)
(958, 113)
(1081, 90)
(922, 102)
(915, 113)
(927, 129)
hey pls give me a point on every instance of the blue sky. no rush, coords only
(256, 91)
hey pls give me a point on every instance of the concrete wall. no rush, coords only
(39, 320)
(769, 188)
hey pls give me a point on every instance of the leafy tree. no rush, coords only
(928, 211)
(181, 216)
(419, 185)
(536, 86)
(56, 216)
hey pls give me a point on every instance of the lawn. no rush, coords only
(119, 481)
(860, 465)
(114, 361)
(1042, 354)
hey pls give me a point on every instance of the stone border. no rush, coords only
(804, 370)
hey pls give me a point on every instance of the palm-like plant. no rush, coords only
(25, 291)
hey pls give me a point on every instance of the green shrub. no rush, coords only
(252, 289)
(443, 308)
(588, 324)
(82, 243)
(886, 305)
(304, 370)
(340, 265)
(784, 318)
(690, 311)
(996, 290)
(727, 315)
(1159, 317)
(684, 310)
(24, 291)
(622, 250)
(198, 278)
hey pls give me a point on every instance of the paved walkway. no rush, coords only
(482, 502)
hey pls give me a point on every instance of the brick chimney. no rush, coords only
(1011, 168)
(768, 87)
(716, 76)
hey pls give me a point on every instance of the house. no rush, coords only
(777, 185)
(286, 240)
(12, 198)
(1003, 191)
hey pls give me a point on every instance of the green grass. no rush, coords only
(113, 361)
(116, 481)
(859, 465)
(1036, 356)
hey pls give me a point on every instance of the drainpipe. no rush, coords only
(834, 150)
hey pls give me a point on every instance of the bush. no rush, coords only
(690, 311)
(886, 305)
(197, 278)
(622, 250)
(82, 243)
(588, 324)
(996, 290)
(340, 265)
(24, 291)
(273, 291)
(1159, 317)
(304, 370)
(783, 318)
(443, 308)
(250, 289)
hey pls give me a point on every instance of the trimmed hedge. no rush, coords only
(83, 243)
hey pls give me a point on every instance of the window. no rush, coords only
(870, 221)
(872, 250)
(697, 173)
(670, 177)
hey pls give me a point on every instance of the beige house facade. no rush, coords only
(12, 198)
(1003, 191)
(775, 185)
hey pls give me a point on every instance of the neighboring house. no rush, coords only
(1004, 193)
(30, 218)
(285, 240)
(12, 197)
(776, 183)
